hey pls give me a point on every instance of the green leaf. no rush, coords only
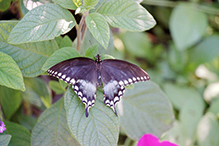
(101, 127)
(127, 14)
(138, 44)
(39, 90)
(42, 23)
(5, 139)
(66, 42)
(67, 4)
(90, 3)
(26, 6)
(63, 84)
(56, 87)
(189, 116)
(206, 51)
(99, 28)
(59, 56)
(179, 95)
(4, 4)
(30, 57)
(92, 51)
(27, 121)
(10, 73)
(89, 40)
(20, 136)
(208, 133)
(52, 129)
(187, 25)
(10, 101)
(145, 109)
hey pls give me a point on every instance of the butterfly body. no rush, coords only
(85, 74)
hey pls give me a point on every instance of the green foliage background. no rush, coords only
(180, 51)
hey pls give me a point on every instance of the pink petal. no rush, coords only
(151, 140)
(148, 140)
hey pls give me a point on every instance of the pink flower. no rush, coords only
(151, 140)
(2, 127)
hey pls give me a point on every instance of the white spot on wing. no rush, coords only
(59, 74)
(138, 78)
(121, 83)
(134, 79)
(76, 88)
(125, 81)
(120, 93)
(72, 81)
(84, 99)
(142, 78)
(79, 93)
(130, 80)
(63, 76)
(116, 99)
(67, 79)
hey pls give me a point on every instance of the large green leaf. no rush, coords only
(101, 127)
(179, 95)
(187, 25)
(145, 109)
(207, 132)
(138, 44)
(30, 57)
(189, 116)
(5, 139)
(52, 129)
(68, 4)
(206, 51)
(38, 89)
(10, 101)
(59, 56)
(20, 136)
(99, 28)
(44, 22)
(10, 73)
(127, 14)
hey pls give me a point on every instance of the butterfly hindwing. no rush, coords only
(81, 73)
(85, 74)
(116, 74)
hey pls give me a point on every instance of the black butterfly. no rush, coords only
(84, 74)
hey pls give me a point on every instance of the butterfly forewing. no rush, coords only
(116, 74)
(81, 73)
(84, 74)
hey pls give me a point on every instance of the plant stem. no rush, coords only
(81, 29)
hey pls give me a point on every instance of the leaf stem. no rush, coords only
(81, 29)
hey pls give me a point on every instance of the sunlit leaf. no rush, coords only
(101, 127)
(127, 14)
(145, 109)
(187, 25)
(52, 129)
(99, 28)
(44, 22)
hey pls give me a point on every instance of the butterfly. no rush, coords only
(85, 74)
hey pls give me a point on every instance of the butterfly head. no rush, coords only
(98, 58)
